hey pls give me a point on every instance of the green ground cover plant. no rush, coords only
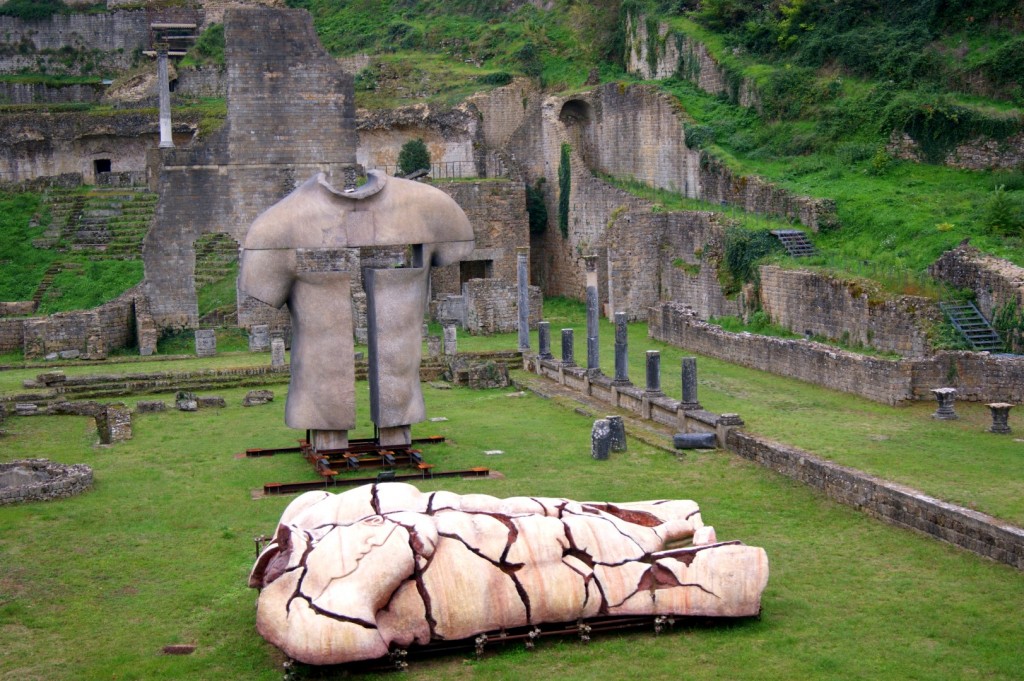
(158, 551)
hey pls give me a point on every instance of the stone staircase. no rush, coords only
(103, 223)
(216, 255)
(49, 275)
(972, 325)
(795, 242)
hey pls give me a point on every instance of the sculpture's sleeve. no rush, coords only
(448, 252)
(267, 274)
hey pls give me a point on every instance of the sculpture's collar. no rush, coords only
(375, 181)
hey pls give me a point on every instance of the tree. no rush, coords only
(413, 156)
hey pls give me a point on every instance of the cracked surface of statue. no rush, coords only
(303, 251)
(356, 575)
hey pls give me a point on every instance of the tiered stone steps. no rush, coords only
(973, 326)
(216, 255)
(795, 242)
(49, 275)
(104, 223)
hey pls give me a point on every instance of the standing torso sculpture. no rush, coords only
(299, 252)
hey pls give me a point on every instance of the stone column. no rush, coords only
(601, 439)
(621, 347)
(689, 380)
(653, 372)
(544, 340)
(567, 348)
(259, 338)
(433, 346)
(450, 342)
(166, 138)
(946, 397)
(618, 430)
(523, 279)
(1000, 417)
(593, 351)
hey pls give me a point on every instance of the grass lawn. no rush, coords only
(158, 551)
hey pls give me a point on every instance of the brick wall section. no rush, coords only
(111, 40)
(91, 332)
(980, 153)
(888, 501)
(39, 93)
(977, 377)
(841, 310)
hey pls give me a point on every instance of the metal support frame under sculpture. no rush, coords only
(302, 251)
(383, 567)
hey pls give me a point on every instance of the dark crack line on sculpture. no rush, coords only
(335, 616)
(375, 500)
(509, 569)
(639, 547)
(415, 544)
(648, 582)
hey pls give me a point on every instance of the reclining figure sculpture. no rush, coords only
(356, 575)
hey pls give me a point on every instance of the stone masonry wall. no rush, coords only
(888, 501)
(492, 306)
(39, 93)
(451, 136)
(980, 153)
(695, 239)
(263, 152)
(995, 282)
(842, 310)
(497, 211)
(977, 377)
(111, 40)
(91, 332)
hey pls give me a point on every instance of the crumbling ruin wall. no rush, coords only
(689, 262)
(492, 306)
(977, 377)
(47, 145)
(846, 311)
(995, 282)
(40, 93)
(452, 137)
(290, 114)
(107, 42)
(978, 153)
(497, 211)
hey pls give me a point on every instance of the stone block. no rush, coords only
(150, 406)
(25, 409)
(211, 402)
(256, 397)
(601, 439)
(694, 441)
(70, 354)
(206, 342)
(114, 424)
(277, 352)
(186, 401)
(259, 338)
(51, 378)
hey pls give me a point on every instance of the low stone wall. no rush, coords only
(888, 501)
(977, 376)
(41, 93)
(54, 480)
(492, 306)
(17, 308)
(847, 311)
(980, 153)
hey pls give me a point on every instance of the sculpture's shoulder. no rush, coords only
(293, 222)
(420, 213)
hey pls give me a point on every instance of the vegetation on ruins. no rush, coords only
(564, 188)
(32, 10)
(413, 156)
(208, 48)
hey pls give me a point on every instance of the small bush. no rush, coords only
(413, 156)
(1003, 215)
(209, 48)
(496, 78)
(536, 208)
(564, 189)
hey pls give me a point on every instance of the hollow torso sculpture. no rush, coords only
(351, 576)
(300, 252)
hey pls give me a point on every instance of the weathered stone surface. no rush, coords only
(259, 338)
(277, 352)
(601, 439)
(76, 408)
(51, 377)
(694, 441)
(211, 402)
(255, 397)
(206, 342)
(351, 576)
(150, 406)
(186, 401)
(41, 480)
(114, 424)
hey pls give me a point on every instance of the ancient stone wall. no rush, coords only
(689, 265)
(846, 311)
(92, 333)
(40, 93)
(492, 306)
(45, 145)
(201, 81)
(976, 376)
(979, 153)
(452, 137)
(42, 480)
(263, 152)
(894, 503)
(111, 41)
(995, 282)
(503, 110)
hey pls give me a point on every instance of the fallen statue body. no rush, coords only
(352, 576)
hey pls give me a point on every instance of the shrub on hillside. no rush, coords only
(1004, 215)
